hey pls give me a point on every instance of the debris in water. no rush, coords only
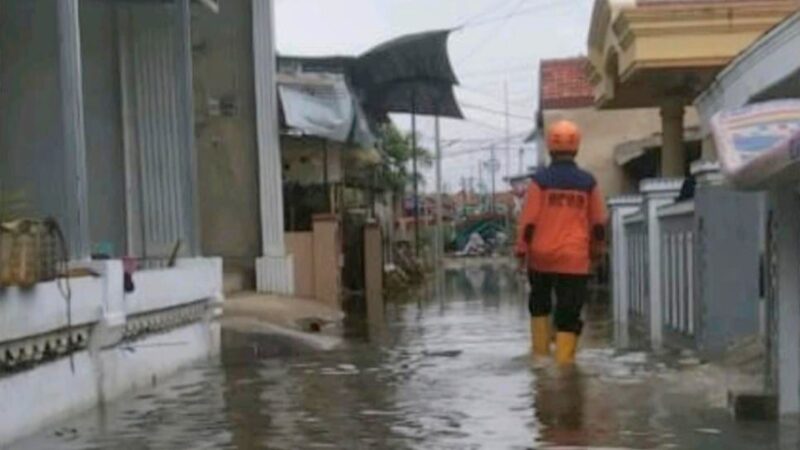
(685, 362)
(632, 358)
(444, 354)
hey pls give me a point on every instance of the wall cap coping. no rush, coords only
(621, 201)
(658, 187)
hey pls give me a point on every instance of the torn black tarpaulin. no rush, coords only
(410, 71)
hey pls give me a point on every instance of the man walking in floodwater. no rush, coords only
(561, 229)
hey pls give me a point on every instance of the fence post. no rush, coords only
(707, 173)
(657, 192)
(327, 259)
(373, 272)
(620, 269)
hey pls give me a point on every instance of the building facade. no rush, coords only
(566, 93)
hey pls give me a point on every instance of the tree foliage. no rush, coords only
(397, 164)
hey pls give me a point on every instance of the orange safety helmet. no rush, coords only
(563, 137)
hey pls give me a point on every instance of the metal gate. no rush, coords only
(155, 71)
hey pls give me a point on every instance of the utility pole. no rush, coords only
(416, 174)
(438, 238)
(480, 174)
(508, 132)
(493, 167)
(521, 165)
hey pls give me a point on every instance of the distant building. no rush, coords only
(519, 187)
(567, 93)
(662, 54)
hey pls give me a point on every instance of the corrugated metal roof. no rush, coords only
(410, 72)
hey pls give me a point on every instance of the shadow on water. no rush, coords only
(448, 368)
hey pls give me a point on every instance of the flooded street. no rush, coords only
(447, 371)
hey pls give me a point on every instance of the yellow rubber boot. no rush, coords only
(566, 345)
(540, 336)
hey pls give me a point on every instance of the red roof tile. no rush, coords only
(564, 84)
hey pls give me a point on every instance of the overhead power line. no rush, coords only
(516, 14)
(494, 111)
(521, 102)
(483, 13)
(531, 67)
(494, 33)
(467, 152)
(491, 127)
(482, 140)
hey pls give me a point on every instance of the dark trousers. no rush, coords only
(571, 292)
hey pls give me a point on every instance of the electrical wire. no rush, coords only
(524, 102)
(493, 34)
(488, 139)
(496, 112)
(483, 13)
(494, 128)
(517, 14)
(531, 67)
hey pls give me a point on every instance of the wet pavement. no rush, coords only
(448, 370)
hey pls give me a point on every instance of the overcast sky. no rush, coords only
(501, 42)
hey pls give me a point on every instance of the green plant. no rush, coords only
(396, 170)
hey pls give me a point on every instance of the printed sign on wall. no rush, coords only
(759, 145)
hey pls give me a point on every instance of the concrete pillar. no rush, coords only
(673, 153)
(707, 173)
(657, 193)
(621, 207)
(275, 269)
(77, 222)
(785, 203)
(327, 259)
(709, 149)
(373, 276)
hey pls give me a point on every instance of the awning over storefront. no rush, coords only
(322, 105)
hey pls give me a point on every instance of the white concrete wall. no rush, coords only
(54, 391)
(109, 367)
(43, 309)
(189, 281)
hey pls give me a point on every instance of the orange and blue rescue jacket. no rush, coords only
(564, 215)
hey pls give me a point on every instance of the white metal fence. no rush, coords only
(677, 227)
(687, 270)
(676, 267)
(653, 248)
(636, 238)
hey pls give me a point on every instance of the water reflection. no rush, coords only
(446, 369)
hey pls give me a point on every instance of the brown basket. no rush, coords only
(28, 252)
(6, 250)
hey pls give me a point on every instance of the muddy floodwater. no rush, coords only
(449, 369)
